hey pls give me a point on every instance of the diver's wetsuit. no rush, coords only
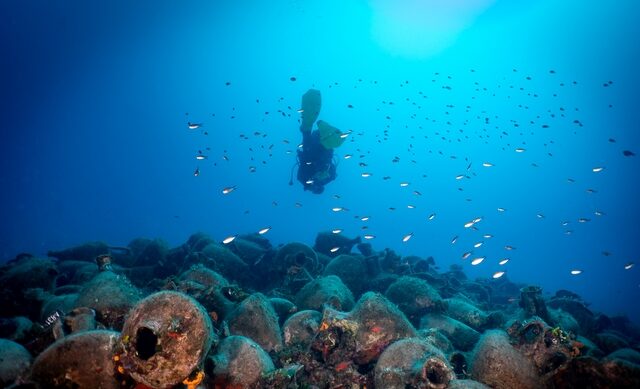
(316, 167)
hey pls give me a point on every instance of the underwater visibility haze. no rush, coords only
(496, 136)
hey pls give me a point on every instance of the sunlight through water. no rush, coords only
(422, 28)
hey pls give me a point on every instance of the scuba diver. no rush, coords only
(316, 165)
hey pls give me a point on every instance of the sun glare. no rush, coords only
(422, 28)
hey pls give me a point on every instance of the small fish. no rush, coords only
(466, 255)
(597, 169)
(336, 230)
(575, 272)
(369, 236)
(342, 365)
(628, 266)
(264, 230)
(175, 335)
(365, 175)
(407, 237)
(503, 262)
(334, 249)
(454, 240)
(194, 126)
(487, 164)
(196, 172)
(229, 189)
(229, 239)
(477, 261)
(498, 274)
(376, 329)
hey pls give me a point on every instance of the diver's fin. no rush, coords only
(330, 137)
(311, 103)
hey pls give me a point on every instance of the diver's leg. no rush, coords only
(306, 139)
(311, 103)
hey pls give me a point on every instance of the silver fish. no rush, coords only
(229, 189)
(264, 230)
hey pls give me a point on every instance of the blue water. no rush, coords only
(96, 97)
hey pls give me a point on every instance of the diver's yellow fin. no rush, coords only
(311, 103)
(330, 137)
